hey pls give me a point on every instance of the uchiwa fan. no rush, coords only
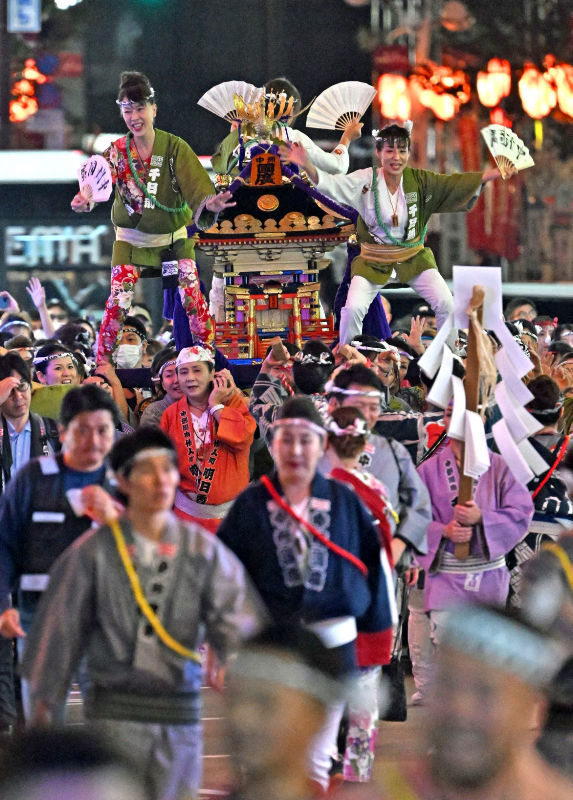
(339, 105)
(95, 179)
(507, 149)
(221, 98)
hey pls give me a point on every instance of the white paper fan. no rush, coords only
(95, 179)
(340, 104)
(221, 98)
(507, 149)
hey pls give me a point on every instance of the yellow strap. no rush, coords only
(396, 783)
(146, 609)
(561, 554)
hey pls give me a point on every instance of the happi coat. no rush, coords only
(224, 472)
(425, 193)
(506, 508)
(176, 178)
(200, 593)
(264, 537)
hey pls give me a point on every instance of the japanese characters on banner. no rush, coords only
(511, 395)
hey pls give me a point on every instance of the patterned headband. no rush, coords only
(171, 363)
(134, 330)
(381, 347)
(327, 359)
(196, 353)
(523, 330)
(357, 428)
(44, 359)
(541, 412)
(130, 103)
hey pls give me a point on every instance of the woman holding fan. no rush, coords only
(160, 186)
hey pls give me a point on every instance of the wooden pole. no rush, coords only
(471, 385)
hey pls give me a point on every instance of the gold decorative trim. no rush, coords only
(268, 202)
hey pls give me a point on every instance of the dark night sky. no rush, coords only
(186, 47)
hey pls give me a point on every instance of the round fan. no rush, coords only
(95, 179)
(221, 98)
(340, 104)
(508, 151)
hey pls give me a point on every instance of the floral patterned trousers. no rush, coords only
(362, 727)
(124, 279)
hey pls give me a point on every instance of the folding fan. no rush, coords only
(221, 98)
(95, 179)
(340, 104)
(507, 149)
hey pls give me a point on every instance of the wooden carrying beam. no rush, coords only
(471, 385)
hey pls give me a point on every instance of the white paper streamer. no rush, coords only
(511, 452)
(465, 278)
(535, 461)
(519, 421)
(432, 357)
(515, 385)
(441, 392)
(457, 421)
(520, 363)
(476, 453)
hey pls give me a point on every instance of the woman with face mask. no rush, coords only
(160, 188)
(129, 355)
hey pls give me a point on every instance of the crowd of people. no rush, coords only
(182, 530)
(304, 499)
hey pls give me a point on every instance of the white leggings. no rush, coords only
(429, 284)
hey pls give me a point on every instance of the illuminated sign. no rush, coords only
(57, 245)
(24, 16)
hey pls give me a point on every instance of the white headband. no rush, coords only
(331, 388)
(273, 669)
(504, 643)
(147, 452)
(299, 421)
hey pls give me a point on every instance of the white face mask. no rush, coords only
(128, 356)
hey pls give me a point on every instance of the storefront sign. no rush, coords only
(24, 16)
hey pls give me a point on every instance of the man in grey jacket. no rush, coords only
(140, 637)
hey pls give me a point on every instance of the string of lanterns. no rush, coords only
(444, 90)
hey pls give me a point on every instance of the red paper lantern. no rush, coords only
(538, 96)
(32, 73)
(495, 83)
(22, 108)
(561, 75)
(445, 106)
(394, 96)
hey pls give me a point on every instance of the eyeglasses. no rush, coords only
(22, 387)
